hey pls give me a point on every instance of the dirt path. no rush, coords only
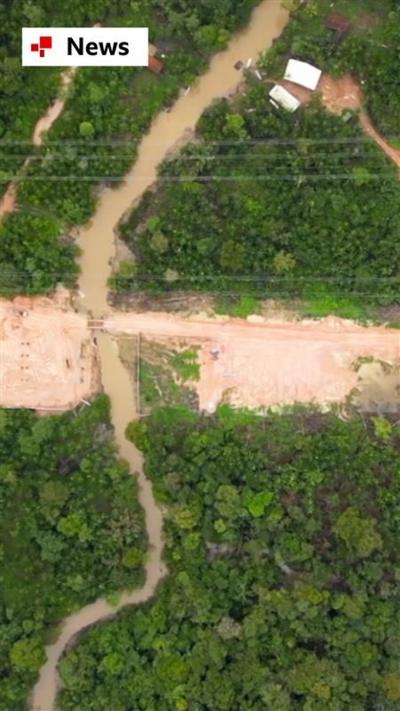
(370, 130)
(97, 243)
(339, 94)
(290, 361)
(346, 93)
(7, 202)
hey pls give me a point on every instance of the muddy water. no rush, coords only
(96, 239)
(97, 243)
(7, 203)
(116, 382)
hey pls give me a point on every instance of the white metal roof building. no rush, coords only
(279, 96)
(302, 73)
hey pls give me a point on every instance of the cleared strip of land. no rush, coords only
(266, 362)
(48, 355)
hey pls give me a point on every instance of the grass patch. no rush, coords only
(186, 364)
(238, 306)
(321, 303)
(166, 376)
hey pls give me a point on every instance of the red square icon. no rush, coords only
(34, 47)
(45, 42)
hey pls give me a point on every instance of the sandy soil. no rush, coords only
(265, 362)
(336, 94)
(54, 110)
(47, 355)
(340, 94)
(378, 388)
(7, 202)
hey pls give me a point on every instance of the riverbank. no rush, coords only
(97, 244)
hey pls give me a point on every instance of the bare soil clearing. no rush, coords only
(47, 355)
(269, 362)
(341, 93)
(378, 388)
(346, 93)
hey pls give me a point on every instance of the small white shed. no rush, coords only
(279, 95)
(303, 74)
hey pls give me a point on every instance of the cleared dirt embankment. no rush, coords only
(259, 363)
(48, 357)
(48, 360)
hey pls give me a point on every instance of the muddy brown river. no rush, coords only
(97, 244)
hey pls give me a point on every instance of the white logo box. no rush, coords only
(99, 46)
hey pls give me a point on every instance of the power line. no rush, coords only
(204, 178)
(233, 277)
(203, 156)
(204, 142)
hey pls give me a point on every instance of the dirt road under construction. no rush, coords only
(48, 355)
(266, 362)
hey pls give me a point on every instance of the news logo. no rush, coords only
(41, 46)
(85, 46)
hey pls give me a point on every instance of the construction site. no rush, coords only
(49, 355)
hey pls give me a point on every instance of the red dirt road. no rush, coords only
(262, 363)
(48, 355)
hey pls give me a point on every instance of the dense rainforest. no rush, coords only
(258, 203)
(71, 530)
(94, 141)
(282, 547)
(283, 205)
